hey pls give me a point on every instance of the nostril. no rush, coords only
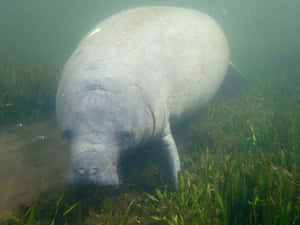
(86, 172)
(94, 171)
(81, 171)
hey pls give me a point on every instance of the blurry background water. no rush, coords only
(261, 33)
(38, 36)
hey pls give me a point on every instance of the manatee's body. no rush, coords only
(136, 72)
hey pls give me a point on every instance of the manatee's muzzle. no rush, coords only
(94, 168)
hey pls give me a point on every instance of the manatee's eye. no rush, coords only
(67, 134)
(126, 135)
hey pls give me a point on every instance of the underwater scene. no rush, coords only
(239, 151)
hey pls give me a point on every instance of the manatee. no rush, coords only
(135, 75)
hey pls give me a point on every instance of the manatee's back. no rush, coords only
(175, 57)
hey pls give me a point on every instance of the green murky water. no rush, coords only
(240, 156)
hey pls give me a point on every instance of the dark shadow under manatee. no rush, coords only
(146, 167)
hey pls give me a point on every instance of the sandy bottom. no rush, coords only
(33, 159)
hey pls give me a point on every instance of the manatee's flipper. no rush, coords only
(173, 156)
(234, 82)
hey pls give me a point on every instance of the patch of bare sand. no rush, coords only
(33, 159)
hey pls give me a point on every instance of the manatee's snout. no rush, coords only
(86, 172)
(93, 168)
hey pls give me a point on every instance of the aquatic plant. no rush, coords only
(229, 190)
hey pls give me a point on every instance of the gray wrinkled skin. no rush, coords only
(131, 76)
